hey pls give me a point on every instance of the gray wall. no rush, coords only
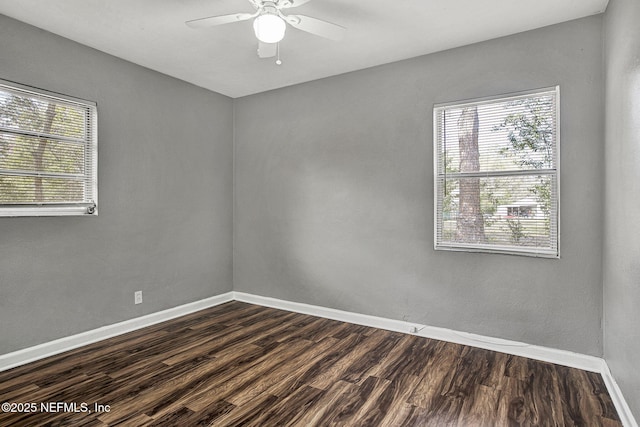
(622, 228)
(165, 191)
(334, 193)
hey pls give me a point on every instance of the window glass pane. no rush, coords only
(27, 153)
(511, 135)
(510, 211)
(35, 114)
(29, 189)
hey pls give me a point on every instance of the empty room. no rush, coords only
(319, 212)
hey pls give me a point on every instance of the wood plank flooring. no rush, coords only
(240, 364)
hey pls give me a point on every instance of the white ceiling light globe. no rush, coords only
(269, 28)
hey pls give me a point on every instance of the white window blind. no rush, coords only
(48, 153)
(496, 174)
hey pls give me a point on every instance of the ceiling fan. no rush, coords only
(270, 23)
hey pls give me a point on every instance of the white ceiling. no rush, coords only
(152, 33)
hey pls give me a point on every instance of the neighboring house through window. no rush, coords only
(496, 174)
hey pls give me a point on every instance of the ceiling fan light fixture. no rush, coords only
(269, 28)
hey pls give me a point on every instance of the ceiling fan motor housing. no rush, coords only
(269, 7)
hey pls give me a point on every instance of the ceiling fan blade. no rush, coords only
(267, 50)
(316, 26)
(293, 3)
(219, 20)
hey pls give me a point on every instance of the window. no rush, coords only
(496, 174)
(48, 153)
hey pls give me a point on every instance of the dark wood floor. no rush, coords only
(241, 364)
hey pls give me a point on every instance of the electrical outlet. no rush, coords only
(137, 297)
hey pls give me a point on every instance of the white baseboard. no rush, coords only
(545, 354)
(560, 357)
(31, 354)
(624, 412)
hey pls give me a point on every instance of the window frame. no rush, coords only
(554, 217)
(90, 145)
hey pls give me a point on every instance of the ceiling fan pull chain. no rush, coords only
(278, 61)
